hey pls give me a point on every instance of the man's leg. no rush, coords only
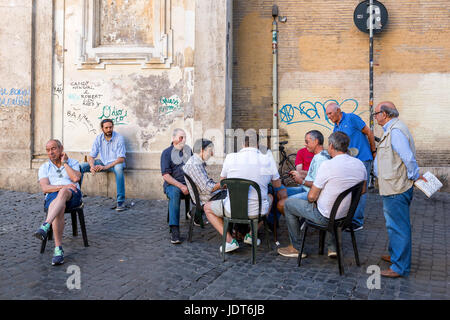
(358, 218)
(295, 210)
(398, 224)
(174, 194)
(55, 215)
(120, 184)
(215, 220)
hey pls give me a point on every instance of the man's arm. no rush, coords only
(281, 193)
(313, 193)
(112, 164)
(74, 175)
(371, 139)
(48, 188)
(170, 180)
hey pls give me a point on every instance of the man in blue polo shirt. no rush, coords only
(58, 178)
(172, 161)
(362, 139)
(111, 147)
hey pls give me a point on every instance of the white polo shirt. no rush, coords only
(251, 164)
(334, 177)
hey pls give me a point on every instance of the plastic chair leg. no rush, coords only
(254, 230)
(355, 248)
(299, 259)
(191, 226)
(339, 250)
(73, 215)
(83, 227)
(322, 236)
(224, 237)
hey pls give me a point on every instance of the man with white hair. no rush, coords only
(362, 139)
(172, 161)
(58, 178)
(397, 170)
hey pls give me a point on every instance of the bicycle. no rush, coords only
(286, 165)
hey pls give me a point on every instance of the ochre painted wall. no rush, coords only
(323, 56)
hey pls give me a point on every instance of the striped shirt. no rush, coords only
(195, 168)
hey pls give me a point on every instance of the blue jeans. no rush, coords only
(396, 213)
(297, 209)
(358, 218)
(118, 172)
(291, 191)
(174, 194)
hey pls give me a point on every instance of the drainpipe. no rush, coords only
(274, 133)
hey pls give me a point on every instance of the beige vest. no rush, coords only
(392, 173)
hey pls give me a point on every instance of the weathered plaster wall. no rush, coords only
(146, 99)
(15, 90)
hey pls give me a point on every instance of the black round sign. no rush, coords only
(361, 16)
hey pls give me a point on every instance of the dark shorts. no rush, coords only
(74, 202)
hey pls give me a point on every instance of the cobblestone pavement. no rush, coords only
(130, 257)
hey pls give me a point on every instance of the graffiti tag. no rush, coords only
(73, 116)
(314, 112)
(14, 97)
(169, 105)
(118, 116)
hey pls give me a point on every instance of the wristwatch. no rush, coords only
(64, 162)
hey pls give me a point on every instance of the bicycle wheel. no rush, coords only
(286, 166)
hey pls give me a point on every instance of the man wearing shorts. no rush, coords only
(58, 178)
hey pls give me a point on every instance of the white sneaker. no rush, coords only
(233, 245)
(248, 240)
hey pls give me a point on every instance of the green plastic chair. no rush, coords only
(238, 191)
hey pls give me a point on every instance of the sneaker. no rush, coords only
(121, 207)
(58, 256)
(233, 245)
(332, 254)
(196, 220)
(290, 252)
(248, 240)
(175, 238)
(41, 233)
(355, 227)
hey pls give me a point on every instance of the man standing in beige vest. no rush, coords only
(396, 168)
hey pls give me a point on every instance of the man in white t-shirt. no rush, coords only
(249, 163)
(335, 176)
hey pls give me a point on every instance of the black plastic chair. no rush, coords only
(197, 210)
(335, 227)
(73, 212)
(238, 192)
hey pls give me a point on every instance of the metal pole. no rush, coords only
(371, 64)
(371, 180)
(274, 135)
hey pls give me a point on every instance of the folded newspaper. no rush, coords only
(430, 187)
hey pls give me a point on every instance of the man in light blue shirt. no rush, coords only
(111, 147)
(58, 178)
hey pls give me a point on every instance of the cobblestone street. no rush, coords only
(130, 257)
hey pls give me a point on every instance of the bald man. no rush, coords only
(58, 178)
(361, 138)
(397, 170)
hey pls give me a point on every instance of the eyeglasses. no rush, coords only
(59, 171)
(374, 114)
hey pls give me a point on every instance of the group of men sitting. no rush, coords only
(329, 173)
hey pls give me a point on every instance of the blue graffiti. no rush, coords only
(14, 97)
(312, 112)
